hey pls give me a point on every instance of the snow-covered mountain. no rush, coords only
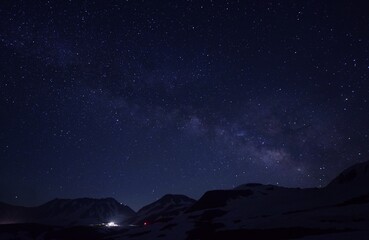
(68, 212)
(356, 176)
(249, 211)
(256, 211)
(163, 209)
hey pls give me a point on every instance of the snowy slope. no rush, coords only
(250, 211)
(163, 209)
(264, 211)
(67, 212)
(355, 177)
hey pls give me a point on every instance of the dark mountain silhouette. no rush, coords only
(355, 176)
(257, 211)
(163, 209)
(250, 211)
(68, 212)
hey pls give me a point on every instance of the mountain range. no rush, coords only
(254, 211)
(68, 212)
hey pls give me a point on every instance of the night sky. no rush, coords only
(136, 99)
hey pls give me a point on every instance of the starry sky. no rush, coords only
(136, 99)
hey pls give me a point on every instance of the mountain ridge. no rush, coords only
(247, 211)
(79, 211)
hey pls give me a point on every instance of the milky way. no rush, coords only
(137, 99)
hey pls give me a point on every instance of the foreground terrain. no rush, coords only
(337, 211)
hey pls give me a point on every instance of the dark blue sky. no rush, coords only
(136, 99)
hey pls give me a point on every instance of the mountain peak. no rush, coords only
(356, 174)
(80, 211)
(167, 206)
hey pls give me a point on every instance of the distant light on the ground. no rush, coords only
(111, 224)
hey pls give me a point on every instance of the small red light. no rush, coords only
(145, 223)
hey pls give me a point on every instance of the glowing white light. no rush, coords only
(111, 224)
